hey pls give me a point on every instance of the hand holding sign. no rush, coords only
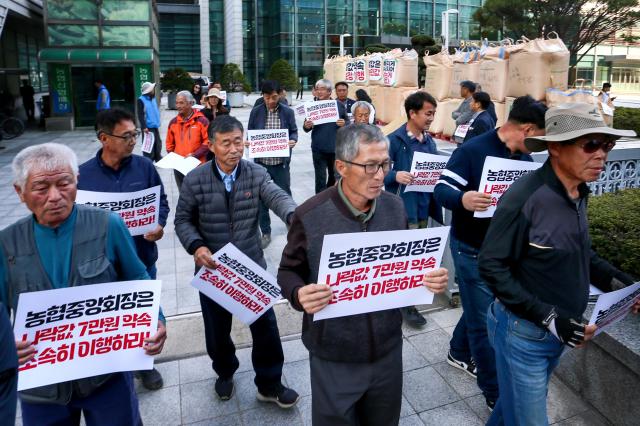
(314, 297)
(475, 201)
(203, 257)
(153, 345)
(436, 281)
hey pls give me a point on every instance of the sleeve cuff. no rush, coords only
(294, 299)
(195, 246)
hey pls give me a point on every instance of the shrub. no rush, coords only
(233, 80)
(422, 40)
(282, 72)
(627, 118)
(375, 48)
(614, 224)
(175, 80)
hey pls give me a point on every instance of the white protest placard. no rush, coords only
(140, 210)
(389, 67)
(373, 271)
(498, 174)
(320, 112)
(177, 162)
(87, 330)
(238, 284)
(147, 142)
(374, 66)
(350, 72)
(300, 110)
(426, 168)
(359, 67)
(223, 96)
(268, 143)
(614, 306)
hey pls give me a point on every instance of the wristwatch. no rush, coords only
(550, 317)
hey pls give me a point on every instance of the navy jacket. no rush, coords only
(323, 136)
(483, 123)
(419, 205)
(348, 103)
(135, 174)
(463, 173)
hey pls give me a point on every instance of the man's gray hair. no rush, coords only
(42, 158)
(324, 83)
(362, 104)
(349, 138)
(186, 95)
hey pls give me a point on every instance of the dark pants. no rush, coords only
(8, 371)
(323, 164)
(471, 331)
(299, 93)
(281, 177)
(357, 393)
(115, 403)
(156, 151)
(179, 178)
(266, 355)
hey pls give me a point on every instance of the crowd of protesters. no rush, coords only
(523, 274)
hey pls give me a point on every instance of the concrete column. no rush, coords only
(205, 44)
(233, 40)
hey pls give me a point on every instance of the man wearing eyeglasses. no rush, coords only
(355, 361)
(116, 169)
(403, 143)
(537, 260)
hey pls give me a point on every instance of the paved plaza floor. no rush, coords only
(434, 393)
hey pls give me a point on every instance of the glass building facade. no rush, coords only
(304, 32)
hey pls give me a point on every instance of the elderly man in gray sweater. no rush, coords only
(219, 203)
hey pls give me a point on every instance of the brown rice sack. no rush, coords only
(438, 75)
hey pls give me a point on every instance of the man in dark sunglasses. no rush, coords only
(537, 260)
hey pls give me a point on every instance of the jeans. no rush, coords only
(266, 355)
(470, 334)
(114, 403)
(281, 177)
(526, 355)
(323, 164)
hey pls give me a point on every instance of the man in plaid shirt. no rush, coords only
(273, 114)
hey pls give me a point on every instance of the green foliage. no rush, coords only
(614, 224)
(233, 80)
(175, 80)
(282, 72)
(422, 40)
(374, 48)
(627, 118)
(395, 28)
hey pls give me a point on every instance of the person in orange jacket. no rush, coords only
(187, 132)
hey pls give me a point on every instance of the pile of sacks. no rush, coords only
(387, 77)
(505, 71)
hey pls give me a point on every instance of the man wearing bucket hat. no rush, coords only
(537, 260)
(149, 118)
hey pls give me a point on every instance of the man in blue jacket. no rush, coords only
(149, 118)
(403, 142)
(272, 114)
(103, 100)
(115, 169)
(457, 190)
(323, 139)
(481, 121)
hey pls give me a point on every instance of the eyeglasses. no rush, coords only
(127, 136)
(593, 145)
(372, 169)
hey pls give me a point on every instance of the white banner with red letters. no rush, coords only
(140, 210)
(389, 71)
(321, 112)
(614, 306)
(498, 174)
(374, 271)
(426, 169)
(238, 284)
(268, 143)
(374, 66)
(87, 330)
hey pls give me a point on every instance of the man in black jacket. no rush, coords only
(537, 260)
(355, 361)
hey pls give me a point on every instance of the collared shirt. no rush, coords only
(363, 217)
(419, 144)
(272, 122)
(228, 179)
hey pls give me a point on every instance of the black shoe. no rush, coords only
(266, 240)
(490, 404)
(151, 379)
(283, 396)
(412, 317)
(224, 388)
(468, 367)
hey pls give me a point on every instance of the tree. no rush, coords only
(579, 23)
(175, 80)
(233, 80)
(282, 72)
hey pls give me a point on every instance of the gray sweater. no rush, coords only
(356, 338)
(207, 215)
